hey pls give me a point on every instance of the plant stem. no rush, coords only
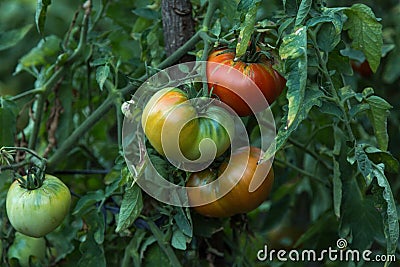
(164, 245)
(80, 131)
(27, 93)
(323, 64)
(304, 172)
(310, 152)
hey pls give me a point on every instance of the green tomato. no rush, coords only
(25, 247)
(38, 212)
(169, 112)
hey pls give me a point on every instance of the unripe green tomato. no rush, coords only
(38, 212)
(25, 247)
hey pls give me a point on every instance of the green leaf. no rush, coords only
(41, 54)
(87, 202)
(133, 248)
(391, 221)
(92, 253)
(363, 163)
(102, 73)
(131, 207)
(8, 119)
(178, 240)
(40, 15)
(183, 222)
(329, 34)
(391, 70)
(229, 7)
(245, 6)
(302, 13)
(11, 38)
(246, 31)
(379, 111)
(379, 156)
(294, 52)
(146, 13)
(365, 32)
(360, 216)
(337, 188)
(331, 109)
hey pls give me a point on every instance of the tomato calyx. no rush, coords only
(34, 178)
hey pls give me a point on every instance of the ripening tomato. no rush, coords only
(238, 83)
(26, 249)
(170, 115)
(362, 68)
(37, 212)
(241, 198)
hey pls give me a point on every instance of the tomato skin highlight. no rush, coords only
(169, 112)
(234, 78)
(239, 199)
(37, 212)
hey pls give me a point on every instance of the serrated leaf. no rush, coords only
(131, 207)
(391, 221)
(11, 38)
(365, 32)
(246, 31)
(302, 13)
(379, 111)
(337, 189)
(40, 15)
(102, 73)
(178, 240)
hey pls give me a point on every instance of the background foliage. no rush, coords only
(336, 167)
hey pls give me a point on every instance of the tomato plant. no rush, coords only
(240, 199)
(37, 211)
(169, 109)
(230, 86)
(27, 250)
(69, 66)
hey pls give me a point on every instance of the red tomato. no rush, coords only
(238, 83)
